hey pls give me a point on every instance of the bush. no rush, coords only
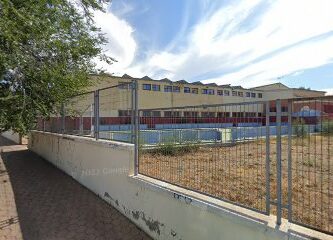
(167, 149)
(327, 128)
(300, 129)
(172, 149)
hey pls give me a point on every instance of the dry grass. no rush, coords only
(238, 173)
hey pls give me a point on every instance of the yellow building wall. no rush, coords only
(114, 99)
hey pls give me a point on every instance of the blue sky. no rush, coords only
(241, 42)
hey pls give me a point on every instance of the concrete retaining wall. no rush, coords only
(162, 210)
(15, 137)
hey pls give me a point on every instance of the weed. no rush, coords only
(300, 129)
(327, 128)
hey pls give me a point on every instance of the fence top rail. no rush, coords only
(115, 86)
(81, 94)
(100, 89)
(207, 105)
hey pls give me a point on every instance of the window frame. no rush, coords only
(176, 87)
(195, 90)
(144, 85)
(153, 87)
(167, 87)
(187, 88)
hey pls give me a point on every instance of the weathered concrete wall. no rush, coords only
(15, 137)
(162, 210)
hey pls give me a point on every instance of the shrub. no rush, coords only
(167, 149)
(300, 129)
(172, 149)
(327, 128)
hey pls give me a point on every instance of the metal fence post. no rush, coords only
(290, 105)
(96, 111)
(62, 112)
(136, 128)
(278, 163)
(268, 170)
(132, 88)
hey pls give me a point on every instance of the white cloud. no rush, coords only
(280, 43)
(121, 43)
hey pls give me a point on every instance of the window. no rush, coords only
(272, 109)
(156, 113)
(146, 87)
(123, 85)
(211, 91)
(220, 92)
(176, 89)
(253, 95)
(195, 90)
(156, 87)
(171, 114)
(176, 114)
(240, 94)
(187, 90)
(234, 93)
(284, 109)
(167, 88)
(259, 95)
(190, 114)
(208, 114)
(146, 113)
(223, 114)
(226, 93)
(238, 114)
(124, 113)
(167, 114)
(207, 91)
(248, 94)
(328, 108)
(250, 114)
(151, 113)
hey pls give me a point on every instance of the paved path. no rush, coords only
(39, 202)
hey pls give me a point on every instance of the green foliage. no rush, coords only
(47, 51)
(167, 149)
(327, 128)
(300, 129)
(172, 149)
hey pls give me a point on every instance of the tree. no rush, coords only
(48, 48)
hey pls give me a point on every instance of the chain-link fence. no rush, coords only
(310, 152)
(219, 150)
(102, 114)
(273, 157)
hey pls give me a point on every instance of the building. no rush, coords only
(165, 93)
(167, 102)
(281, 91)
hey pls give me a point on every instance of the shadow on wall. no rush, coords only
(51, 205)
(6, 142)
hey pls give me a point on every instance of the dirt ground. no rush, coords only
(237, 173)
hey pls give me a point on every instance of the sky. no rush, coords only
(237, 42)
